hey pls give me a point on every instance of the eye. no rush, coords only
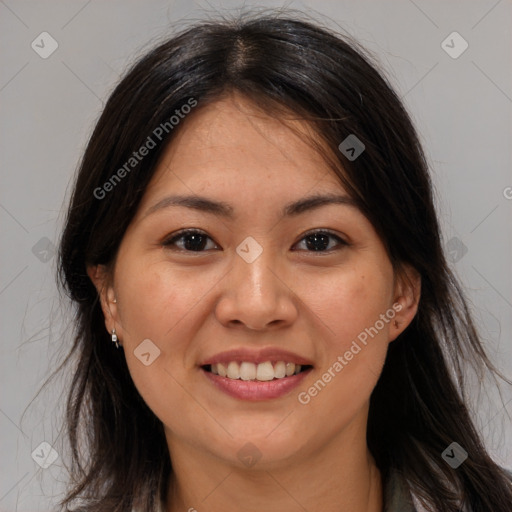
(195, 240)
(192, 240)
(320, 241)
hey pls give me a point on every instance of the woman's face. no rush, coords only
(273, 279)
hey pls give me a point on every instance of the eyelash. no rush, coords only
(183, 233)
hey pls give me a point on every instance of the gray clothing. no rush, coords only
(397, 497)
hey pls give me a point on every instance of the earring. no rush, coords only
(114, 338)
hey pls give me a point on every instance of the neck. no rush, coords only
(341, 476)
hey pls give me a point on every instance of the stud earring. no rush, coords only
(114, 338)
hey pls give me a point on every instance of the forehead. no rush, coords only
(233, 143)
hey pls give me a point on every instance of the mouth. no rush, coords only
(259, 372)
(250, 381)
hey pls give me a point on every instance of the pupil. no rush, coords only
(320, 242)
(194, 242)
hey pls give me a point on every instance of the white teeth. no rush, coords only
(251, 371)
(280, 370)
(247, 371)
(265, 371)
(221, 369)
(233, 370)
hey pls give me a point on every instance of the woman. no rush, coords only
(265, 318)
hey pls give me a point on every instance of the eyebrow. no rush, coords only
(223, 209)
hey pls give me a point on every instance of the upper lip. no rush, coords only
(256, 356)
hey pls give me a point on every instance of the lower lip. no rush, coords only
(255, 390)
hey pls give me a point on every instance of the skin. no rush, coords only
(193, 305)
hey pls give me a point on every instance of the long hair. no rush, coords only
(287, 67)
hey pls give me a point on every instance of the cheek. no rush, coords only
(154, 300)
(352, 302)
(165, 306)
(356, 344)
(158, 305)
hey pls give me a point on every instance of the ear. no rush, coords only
(101, 278)
(407, 294)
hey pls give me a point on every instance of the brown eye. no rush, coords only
(321, 241)
(191, 240)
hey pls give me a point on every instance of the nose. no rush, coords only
(257, 295)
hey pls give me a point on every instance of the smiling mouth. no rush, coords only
(262, 372)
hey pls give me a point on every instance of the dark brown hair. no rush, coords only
(283, 65)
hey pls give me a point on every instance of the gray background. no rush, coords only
(462, 108)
